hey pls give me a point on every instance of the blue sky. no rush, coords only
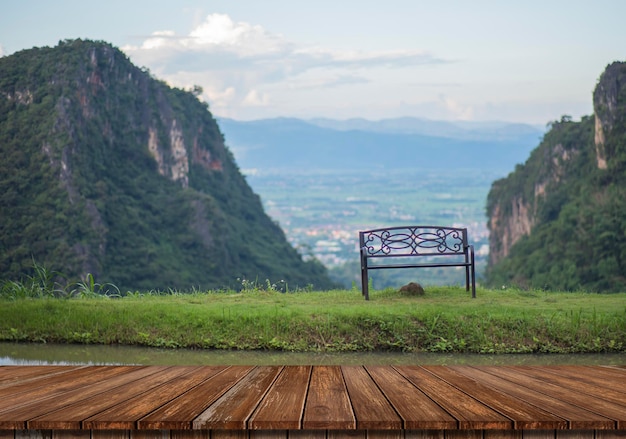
(524, 61)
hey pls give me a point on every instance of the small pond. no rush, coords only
(42, 354)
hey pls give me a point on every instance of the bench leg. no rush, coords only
(473, 270)
(365, 283)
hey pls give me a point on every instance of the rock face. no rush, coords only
(106, 170)
(609, 100)
(564, 186)
(514, 201)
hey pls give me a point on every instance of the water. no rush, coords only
(51, 354)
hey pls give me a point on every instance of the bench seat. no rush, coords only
(416, 247)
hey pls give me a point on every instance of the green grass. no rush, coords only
(446, 319)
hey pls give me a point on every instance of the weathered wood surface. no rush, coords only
(210, 402)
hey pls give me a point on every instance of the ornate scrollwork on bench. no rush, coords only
(432, 242)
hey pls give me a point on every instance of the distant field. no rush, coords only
(444, 320)
(322, 212)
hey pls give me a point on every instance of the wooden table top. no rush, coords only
(313, 397)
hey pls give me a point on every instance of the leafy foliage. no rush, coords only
(106, 170)
(578, 240)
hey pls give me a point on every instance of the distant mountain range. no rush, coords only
(287, 143)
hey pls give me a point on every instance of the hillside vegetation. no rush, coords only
(559, 221)
(106, 171)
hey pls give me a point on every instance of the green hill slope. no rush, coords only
(559, 220)
(106, 170)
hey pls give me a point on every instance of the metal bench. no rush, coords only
(416, 247)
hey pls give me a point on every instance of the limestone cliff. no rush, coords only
(609, 100)
(559, 206)
(514, 202)
(107, 170)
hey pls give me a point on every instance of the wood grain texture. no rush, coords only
(179, 413)
(126, 414)
(102, 396)
(523, 414)
(327, 403)
(470, 412)
(571, 392)
(316, 402)
(235, 407)
(283, 404)
(416, 409)
(371, 408)
(577, 418)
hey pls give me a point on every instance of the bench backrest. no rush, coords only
(413, 241)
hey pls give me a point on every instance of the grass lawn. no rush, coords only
(446, 319)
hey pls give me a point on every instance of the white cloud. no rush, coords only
(256, 99)
(456, 109)
(240, 64)
(217, 33)
(1, 51)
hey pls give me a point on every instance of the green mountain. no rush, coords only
(559, 220)
(106, 170)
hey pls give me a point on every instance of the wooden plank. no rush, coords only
(110, 434)
(282, 406)
(610, 434)
(149, 434)
(179, 413)
(346, 434)
(576, 417)
(570, 393)
(33, 434)
(104, 395)
(416, 409)
(464, 434)
(232, 410)
(7, 434)
(9, 375)
(268, 434)
(71, 434)
(604, 389)
(575, 434)
(328, 404)
(424, 434)
(52, 387)
(190, 434)
(617, 372)
(50, 401)
(306, 434)
(505, 434)
(603, 377)
(229, 434)
(539, 434)
(371, 408)
(385, 434)
(471, 413)
(523, 414)
(126, 414)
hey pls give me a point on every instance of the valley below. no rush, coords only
(321, 213)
